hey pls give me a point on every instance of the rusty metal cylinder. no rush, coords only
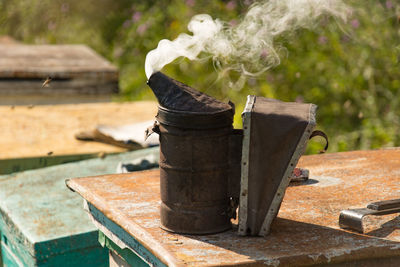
(194, 170)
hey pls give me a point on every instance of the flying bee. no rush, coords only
(46, 82)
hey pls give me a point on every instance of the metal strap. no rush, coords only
(322, 134)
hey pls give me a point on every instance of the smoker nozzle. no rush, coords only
(178, 96)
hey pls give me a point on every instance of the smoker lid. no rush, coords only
(177, 96)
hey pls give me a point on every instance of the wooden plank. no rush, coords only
(117, 261)
(39, 130)
(306, 231)
(51, 99)
(119, 256)
(8, 166)
(7, 257)
(130, 246)
(64, 61)
(74, 69)
(5, 39)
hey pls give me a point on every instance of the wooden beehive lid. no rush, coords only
(41, 218)
(36, 131)
(5, 39)
(61, 61)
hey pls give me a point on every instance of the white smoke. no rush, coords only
(249, 46)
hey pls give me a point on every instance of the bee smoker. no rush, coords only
(198, 147)
(206, 165)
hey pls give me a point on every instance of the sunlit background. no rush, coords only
(351, 70)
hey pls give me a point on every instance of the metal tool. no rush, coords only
(353, 218)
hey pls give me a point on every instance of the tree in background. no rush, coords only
(350, 71)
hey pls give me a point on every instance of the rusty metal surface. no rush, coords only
(306, 231)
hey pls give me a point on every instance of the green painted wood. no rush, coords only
(129, 240)
(1, 258)
(90, 256)
(8, 166)
(8, 258)
(44, 222)
(129, 256)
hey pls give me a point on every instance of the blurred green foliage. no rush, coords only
(350, 70)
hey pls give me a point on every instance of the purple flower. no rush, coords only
(322, 40)
(389, 4)
(136, 16)
(355, 23)
(264, 54)
(345, 39)
(233, 22)
(64, 8)
(118, 52)
(299, 99)
(231, 5)
(51, 25)
(190, 2)
(142, 29)
(126, 24)
(270, 78)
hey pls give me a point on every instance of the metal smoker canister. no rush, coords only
(194, 170)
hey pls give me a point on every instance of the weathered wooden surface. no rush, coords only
(306, 231)
(8, 166)
(118, 256)
(36, 131)
(67, 61)
(42, 222)
(73, 69)
(5, 39)
(50, 99)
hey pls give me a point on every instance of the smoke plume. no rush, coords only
(249, 46)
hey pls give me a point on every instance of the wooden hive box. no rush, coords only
(77, 72)
(42, 223)
(30, 134)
